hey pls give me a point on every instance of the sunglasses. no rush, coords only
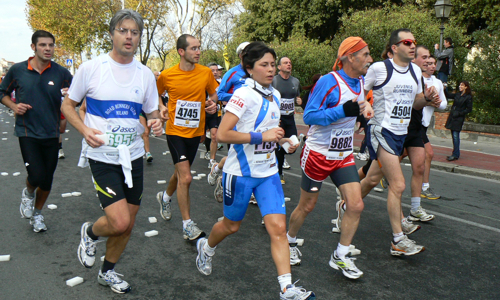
(407, 42)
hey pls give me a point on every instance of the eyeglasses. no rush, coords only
(124, 31)
(407, 42)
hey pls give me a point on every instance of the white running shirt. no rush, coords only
(255, 114)
(116, 94)
(392, 103)
(429, 110)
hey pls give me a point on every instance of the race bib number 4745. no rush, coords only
(187, 114)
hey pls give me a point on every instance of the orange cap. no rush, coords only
(350, 45)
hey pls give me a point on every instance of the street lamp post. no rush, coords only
(443, 9)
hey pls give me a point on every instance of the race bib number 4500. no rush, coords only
(340, 144)
(187, 114)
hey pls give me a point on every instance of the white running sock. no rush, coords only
(342, 250)
(425, 186)
(209, 250)
(291, 239)
(166, 197)
(285, 280)
(217, 170)
(398, 236)
(415, 203)
(185, 222)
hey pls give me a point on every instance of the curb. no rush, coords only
(452, 168)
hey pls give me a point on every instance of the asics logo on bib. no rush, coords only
(188, 104)
(344, 132)
(404, 102)
(123, 129)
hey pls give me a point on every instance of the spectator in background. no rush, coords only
(445, 60)
(303, 102)
(462, 105)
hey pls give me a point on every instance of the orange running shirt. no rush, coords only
(187, 93)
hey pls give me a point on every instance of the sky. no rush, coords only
(15, 31)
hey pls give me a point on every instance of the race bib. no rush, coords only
(287, 106)
(120, 135)
(263, 153)
(401, 111)
(187, 114)
(340, 144)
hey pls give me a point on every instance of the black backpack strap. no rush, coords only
(412, 72)
(389, 67)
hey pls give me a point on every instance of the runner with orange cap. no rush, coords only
(335, 102)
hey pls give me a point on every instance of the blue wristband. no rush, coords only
(255, 138)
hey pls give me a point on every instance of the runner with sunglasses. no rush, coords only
(397, 88)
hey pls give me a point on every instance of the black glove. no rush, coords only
(351, 109)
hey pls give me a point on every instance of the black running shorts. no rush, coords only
(109, 182)
(183, 149)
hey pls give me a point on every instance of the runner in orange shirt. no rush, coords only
(187, 85)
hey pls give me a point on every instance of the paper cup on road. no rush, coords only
(52, 206)
(16, 174)
(65, 195)
(76, 194)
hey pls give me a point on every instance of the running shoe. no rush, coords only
(282, 179)
(207, 155)
(37, 222)
(212, 176)
(165, 207)
(61, 154)
(408, 226)
(285, 164)
(253, 200)
(26, 207)
(203, 260)
(429, 194)
(219, 192)
(384, 183)
(293, 292)
(345, 264)
(420, 215)
(87, 247)
(339, 206)
(262, 222)
(220, 146)
(111, 279)
(295, 255)
(149, 157)
(405, 247)
(362, 156)
(192, 232)
(212, 163)
(302, 140)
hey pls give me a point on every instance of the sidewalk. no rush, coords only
(480, 159)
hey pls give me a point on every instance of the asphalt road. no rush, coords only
(461, 260)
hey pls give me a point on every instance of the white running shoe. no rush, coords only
(253, 200)
(203, 260)
(111, 279)
(192, 232)
(149, 157)
(26, 207)
(295, 255)
(37, 222)
(207, 155)
(293, 292)
(61, 154)
(362, 156)
(302, 140)
(285, 164)
(405, 247)
(420, 215)
(345, 264)
(212, 163)
(212, 176)
(87, 247)
(408, 226)
(219, 192)
(165, 207)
